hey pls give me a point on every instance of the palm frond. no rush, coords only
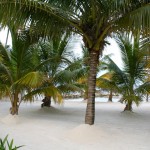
(143, 88)
(47, 91)
(73, 87)
(44, 16)
(106, 82)
(132, 98)
(4, 91)
(32, 79)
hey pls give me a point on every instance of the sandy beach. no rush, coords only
(62, 127)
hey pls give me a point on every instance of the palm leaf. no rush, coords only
(32, 79)
(47, 91)
(144, 88)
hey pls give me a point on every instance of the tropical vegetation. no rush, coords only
(35, 68)
(94, 20)
(131, 80)
(60, 69)
(5, 144)
(15, 63)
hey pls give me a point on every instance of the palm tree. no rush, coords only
(15, 63)
(30, 69)
(104, 82)
(60, 71)
(129, 81)
(94, 20)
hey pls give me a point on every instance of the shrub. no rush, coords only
(6, 145)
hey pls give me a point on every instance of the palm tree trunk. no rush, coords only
(90, 110)
(46, 101)
(110, 96)
(128, 107)
(15, 107)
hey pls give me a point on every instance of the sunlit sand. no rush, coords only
(63, 128)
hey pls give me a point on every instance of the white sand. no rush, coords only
(63, 128)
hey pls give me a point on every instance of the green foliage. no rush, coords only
(56, 70)
(6, 145)
(42, 68)
(15, 64)
(130, 80)
(94, 20)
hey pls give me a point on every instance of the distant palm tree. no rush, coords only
(94, 20)
(129, 81)
(104, 82)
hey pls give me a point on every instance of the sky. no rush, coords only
(112, 49)
(77, 42)
(3, 35)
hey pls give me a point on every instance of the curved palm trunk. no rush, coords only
(128, 107)
(46, 101)
(90, 110)
(110, 96)
(15, 107)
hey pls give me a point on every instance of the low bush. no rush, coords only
(6, 145)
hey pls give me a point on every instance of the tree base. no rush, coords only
(110, 101)
(110, 97)
(128, 108)
(46, 102)
(13, 111)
